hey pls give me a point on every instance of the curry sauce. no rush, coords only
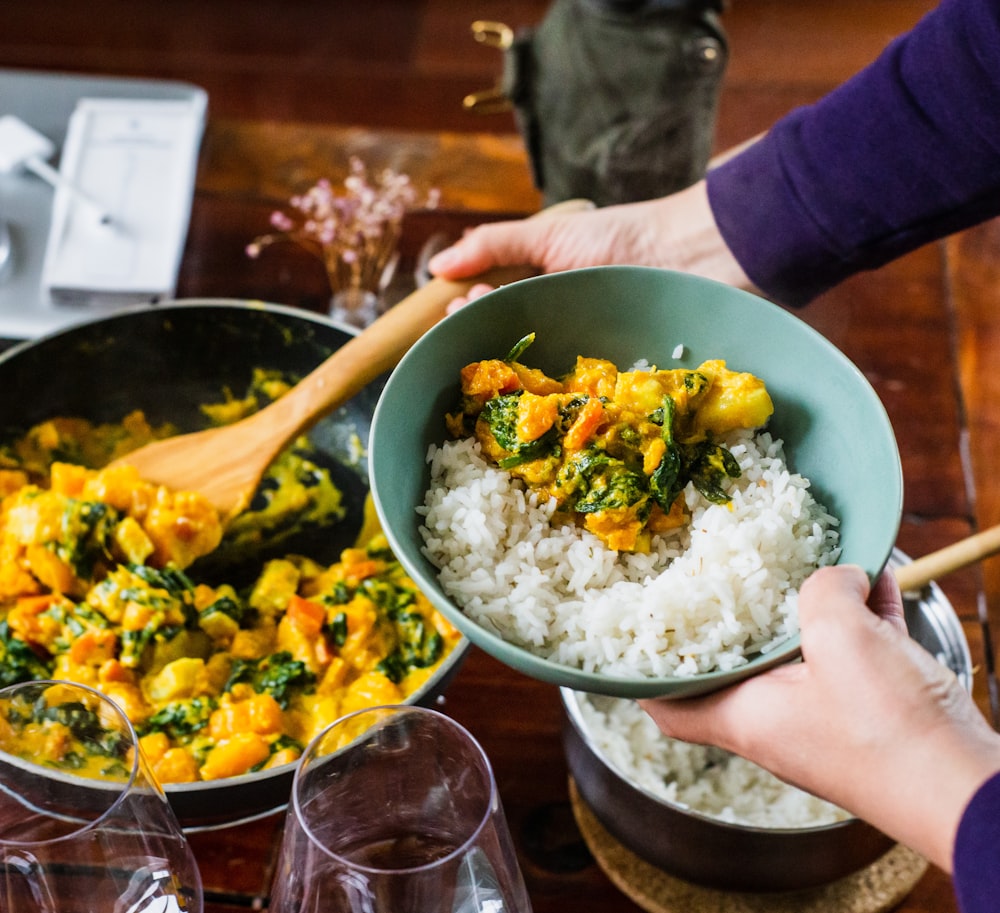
(614, 448)
(218, 681)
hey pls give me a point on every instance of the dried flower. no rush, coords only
(354, 233)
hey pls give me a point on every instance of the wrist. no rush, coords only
(687, 229)
(933, 787)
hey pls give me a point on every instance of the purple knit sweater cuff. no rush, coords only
(977, 851)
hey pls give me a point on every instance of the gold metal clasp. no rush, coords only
(493, 34)
(487, 101)
(490, 101)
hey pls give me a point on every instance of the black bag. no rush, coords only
(616, 99)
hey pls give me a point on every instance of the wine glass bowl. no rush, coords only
(396, 809)
(84, 827)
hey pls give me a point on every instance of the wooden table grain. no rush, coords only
(924, 330)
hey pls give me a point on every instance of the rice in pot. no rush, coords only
(707, 596)
(706, 780)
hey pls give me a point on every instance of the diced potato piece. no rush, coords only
(176, 766)
(593, 376)
(132, 541)
(277, 584)
(253, 643)
(235, 756)
(370, 690)
(183, 678)
(643, 391)
(259, 713)
(535, 381)
(219, 626)
(121, 487)
(154, 745)
(129, 697)
(310, 713)
(333, 677)
(535, 415)
(734, 400)
(68, 479)
(483, 380)
(52, 571)
(183, 645)
(182, 526)
(283, 756)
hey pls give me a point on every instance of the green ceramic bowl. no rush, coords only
(835, 429)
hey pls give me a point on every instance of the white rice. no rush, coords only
(706, 597)
(706, 780)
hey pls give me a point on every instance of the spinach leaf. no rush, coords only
(419, 645)
(594, 481)
(278, 675)
(500, 413)
(520, 347)
(666, 481)
(18, 661)
(710, 465)
(180, 719)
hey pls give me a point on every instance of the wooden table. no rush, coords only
(923, 330)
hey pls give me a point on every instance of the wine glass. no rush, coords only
(395, 810)
(84, 826)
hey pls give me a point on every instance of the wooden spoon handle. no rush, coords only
(919, 573)
(372, 352)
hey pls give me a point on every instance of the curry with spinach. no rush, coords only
(615, 449)
(218, 681)
(67, 729)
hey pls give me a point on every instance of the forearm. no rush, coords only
(924, 794)
(689, 238)
(903, 153)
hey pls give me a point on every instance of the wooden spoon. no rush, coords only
(226, 464)
(917, 574)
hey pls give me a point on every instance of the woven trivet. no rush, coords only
(875, 889)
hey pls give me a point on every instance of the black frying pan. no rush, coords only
(168, 360)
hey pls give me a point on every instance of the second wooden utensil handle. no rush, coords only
(968, 551)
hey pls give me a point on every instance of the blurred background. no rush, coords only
(407, 64)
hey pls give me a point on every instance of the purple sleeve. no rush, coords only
(976, 863)
(905, 152)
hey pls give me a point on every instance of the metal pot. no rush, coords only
(726, 856)
(166, 361)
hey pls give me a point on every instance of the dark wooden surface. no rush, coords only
(297, 85)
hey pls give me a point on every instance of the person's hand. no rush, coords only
(869, 719)
(676, 232)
